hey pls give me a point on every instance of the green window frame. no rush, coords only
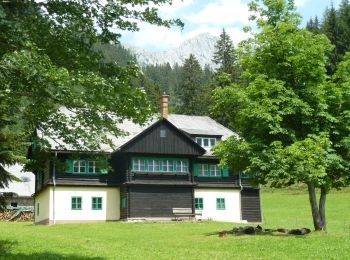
(220, 203)
(76, 203)
(96, 203)
(198, 203)
(204, 170)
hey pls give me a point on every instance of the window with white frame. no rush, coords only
(214, 170)
(203, 170)
(182, 166)
(79, 166)
(167, 166)
(92, 167)
(206, 142)
(153, 165)
(138, 165)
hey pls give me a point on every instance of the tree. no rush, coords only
(225, 56)
(191, 88)
(283, 110)
(48, 60)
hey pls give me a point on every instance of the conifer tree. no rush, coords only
(191, 88)
(225, 56)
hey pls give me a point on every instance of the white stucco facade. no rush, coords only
(55, 205)
(232, 211)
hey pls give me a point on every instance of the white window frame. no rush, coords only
(153, 165)
(93, 166)
(167, 166)
(214, 170)
(80, 165)
(209, 140)
(137, 165)
(202, 172)
(181, 166)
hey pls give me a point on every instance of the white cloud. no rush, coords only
(222, 12)
(176, 6)
(299, 3)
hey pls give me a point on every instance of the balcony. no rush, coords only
(229, 181)
(136, 177)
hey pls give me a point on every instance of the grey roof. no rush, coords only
(193, 125)
(200, 125)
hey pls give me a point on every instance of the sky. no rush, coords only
(210, 16)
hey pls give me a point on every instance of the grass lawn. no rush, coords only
(288, 208)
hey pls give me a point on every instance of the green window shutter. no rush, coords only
(195, 169)
(225, 172)
(69, 166)
(102, 166)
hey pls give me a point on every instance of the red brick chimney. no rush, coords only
(164, 106)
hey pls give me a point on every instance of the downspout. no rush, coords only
(240, 194)
(53, 191)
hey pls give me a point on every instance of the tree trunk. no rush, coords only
(322, 207)
(318, 223)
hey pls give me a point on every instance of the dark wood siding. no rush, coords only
(174, 142)
(250, 205)
(155, 201)
(124, 194)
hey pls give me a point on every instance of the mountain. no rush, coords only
(202, 46)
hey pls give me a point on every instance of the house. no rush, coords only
(22, 190)
(164, 165)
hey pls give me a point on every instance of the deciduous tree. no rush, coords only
(48, 61)
(293, 124)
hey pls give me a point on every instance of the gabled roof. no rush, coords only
(182, 134)
(191, 125)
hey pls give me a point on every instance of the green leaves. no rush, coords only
(293, 123)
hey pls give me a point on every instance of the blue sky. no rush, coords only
(211, 16)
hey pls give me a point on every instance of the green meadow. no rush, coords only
(186, 240)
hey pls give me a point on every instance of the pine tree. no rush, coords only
(191, 88)
(225, 56)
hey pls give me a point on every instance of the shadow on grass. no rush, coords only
(273, 234)
(6, 246)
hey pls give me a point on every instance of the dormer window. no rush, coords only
(206, 142)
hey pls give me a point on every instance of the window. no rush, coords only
(76, 203)
(167, 166)
(92, 167)
(181, 166)
(84, 166)
(162, 133)
(96, 203)
(198, 203)
(215, 170)
(220, 203)
(203, 170)
(153, 165)
(209, 170)
(206, 142)
(14, 204)
(37, 209)
(160, 165)
(138, 165)
(79, 166)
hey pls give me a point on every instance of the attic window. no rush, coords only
(162, 133)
